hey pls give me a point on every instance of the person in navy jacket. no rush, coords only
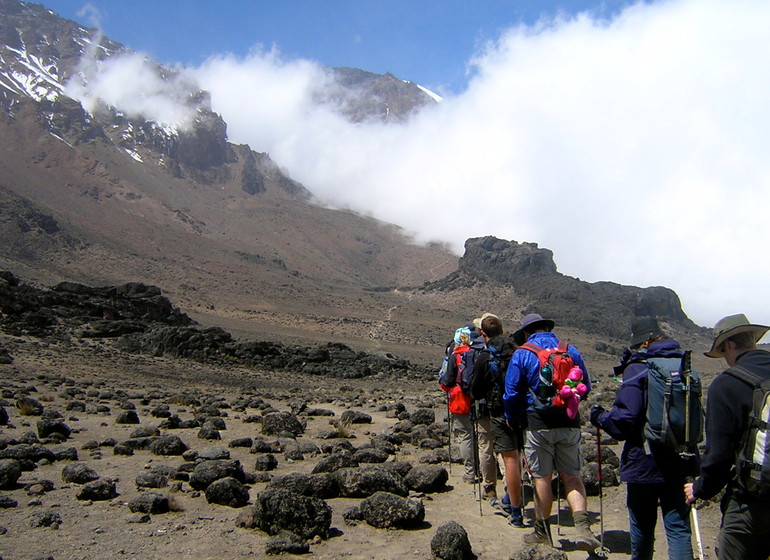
(654, 474)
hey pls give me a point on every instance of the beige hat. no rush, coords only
(730, 326)
(477, 320)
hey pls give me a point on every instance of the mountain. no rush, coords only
(92, 195)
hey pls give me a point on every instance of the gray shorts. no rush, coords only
(554, 450)
(506, 438)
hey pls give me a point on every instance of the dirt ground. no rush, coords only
(197, 530)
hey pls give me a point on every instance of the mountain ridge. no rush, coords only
(103, 198)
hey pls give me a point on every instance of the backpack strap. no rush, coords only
(541, 353)
(756, 382)
(748, 377)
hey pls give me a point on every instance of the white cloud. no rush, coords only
(633, 148)
(136, 86)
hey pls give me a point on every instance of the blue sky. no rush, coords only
(629, 139)
(424, 41)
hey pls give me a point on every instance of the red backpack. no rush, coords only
(555, 367)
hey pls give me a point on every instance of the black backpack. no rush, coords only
(753, 462)
(492, 386)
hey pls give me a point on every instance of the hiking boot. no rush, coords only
(585, 540)
(584, 537)
(470, 479)
(490, 492)
(516, 518)
(538, 536)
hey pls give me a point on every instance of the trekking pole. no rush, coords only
(558, 504)
(602, 551)
(696, 525)
(536, 502)
(449, 444)
(476, 469)
(686, 370)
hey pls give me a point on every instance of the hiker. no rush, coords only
(745, 530)
(653, 472)
(553, 437)
(472, 421)
(488, 383)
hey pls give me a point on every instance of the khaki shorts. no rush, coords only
(554, 450)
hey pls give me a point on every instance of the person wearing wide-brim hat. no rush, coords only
(745, 529)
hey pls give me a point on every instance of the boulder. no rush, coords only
(384, 510)
(279, 510)
(451, 543)
(367, 480)
(227, 492)
(427, 478)
(149, 502)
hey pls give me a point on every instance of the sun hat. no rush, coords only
(730, 326)
(477, 320)
(530, 323)
(643, 329)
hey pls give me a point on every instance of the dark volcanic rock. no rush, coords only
(97, 490)
(335, 462)
(227, 492)
(10, 471)
(208, 471)
(46, 519)
(279, 510)
(451, 543)
(149, 502)
(277, 423)
(367, 480)
(427, 478)
(168, 445)
(384, 510)
(48, 426)
(321, 485)
(286, 542)
(78, 473)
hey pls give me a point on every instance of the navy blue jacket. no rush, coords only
(727, 411)
(625, 422)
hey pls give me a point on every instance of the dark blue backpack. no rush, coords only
(674, 409)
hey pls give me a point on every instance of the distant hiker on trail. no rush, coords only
(653, 472)
(553, 440)
(488, 383)
(470, 420)
(731, 424)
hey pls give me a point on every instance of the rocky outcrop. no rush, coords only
(604, 308)
(141, 320)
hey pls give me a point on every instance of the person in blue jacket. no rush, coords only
(553, 438)
(654, 474)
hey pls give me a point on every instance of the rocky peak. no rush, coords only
(604, 308)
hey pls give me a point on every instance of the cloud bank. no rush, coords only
(634, 148)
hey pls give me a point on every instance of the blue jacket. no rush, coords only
(625, 422)
(524, 374)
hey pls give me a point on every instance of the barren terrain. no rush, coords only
(195, 529)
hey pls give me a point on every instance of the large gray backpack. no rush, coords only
(674, 409)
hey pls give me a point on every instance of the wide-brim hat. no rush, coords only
(730, 326)
(643, 329)
(477, 320)
(531, 323)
